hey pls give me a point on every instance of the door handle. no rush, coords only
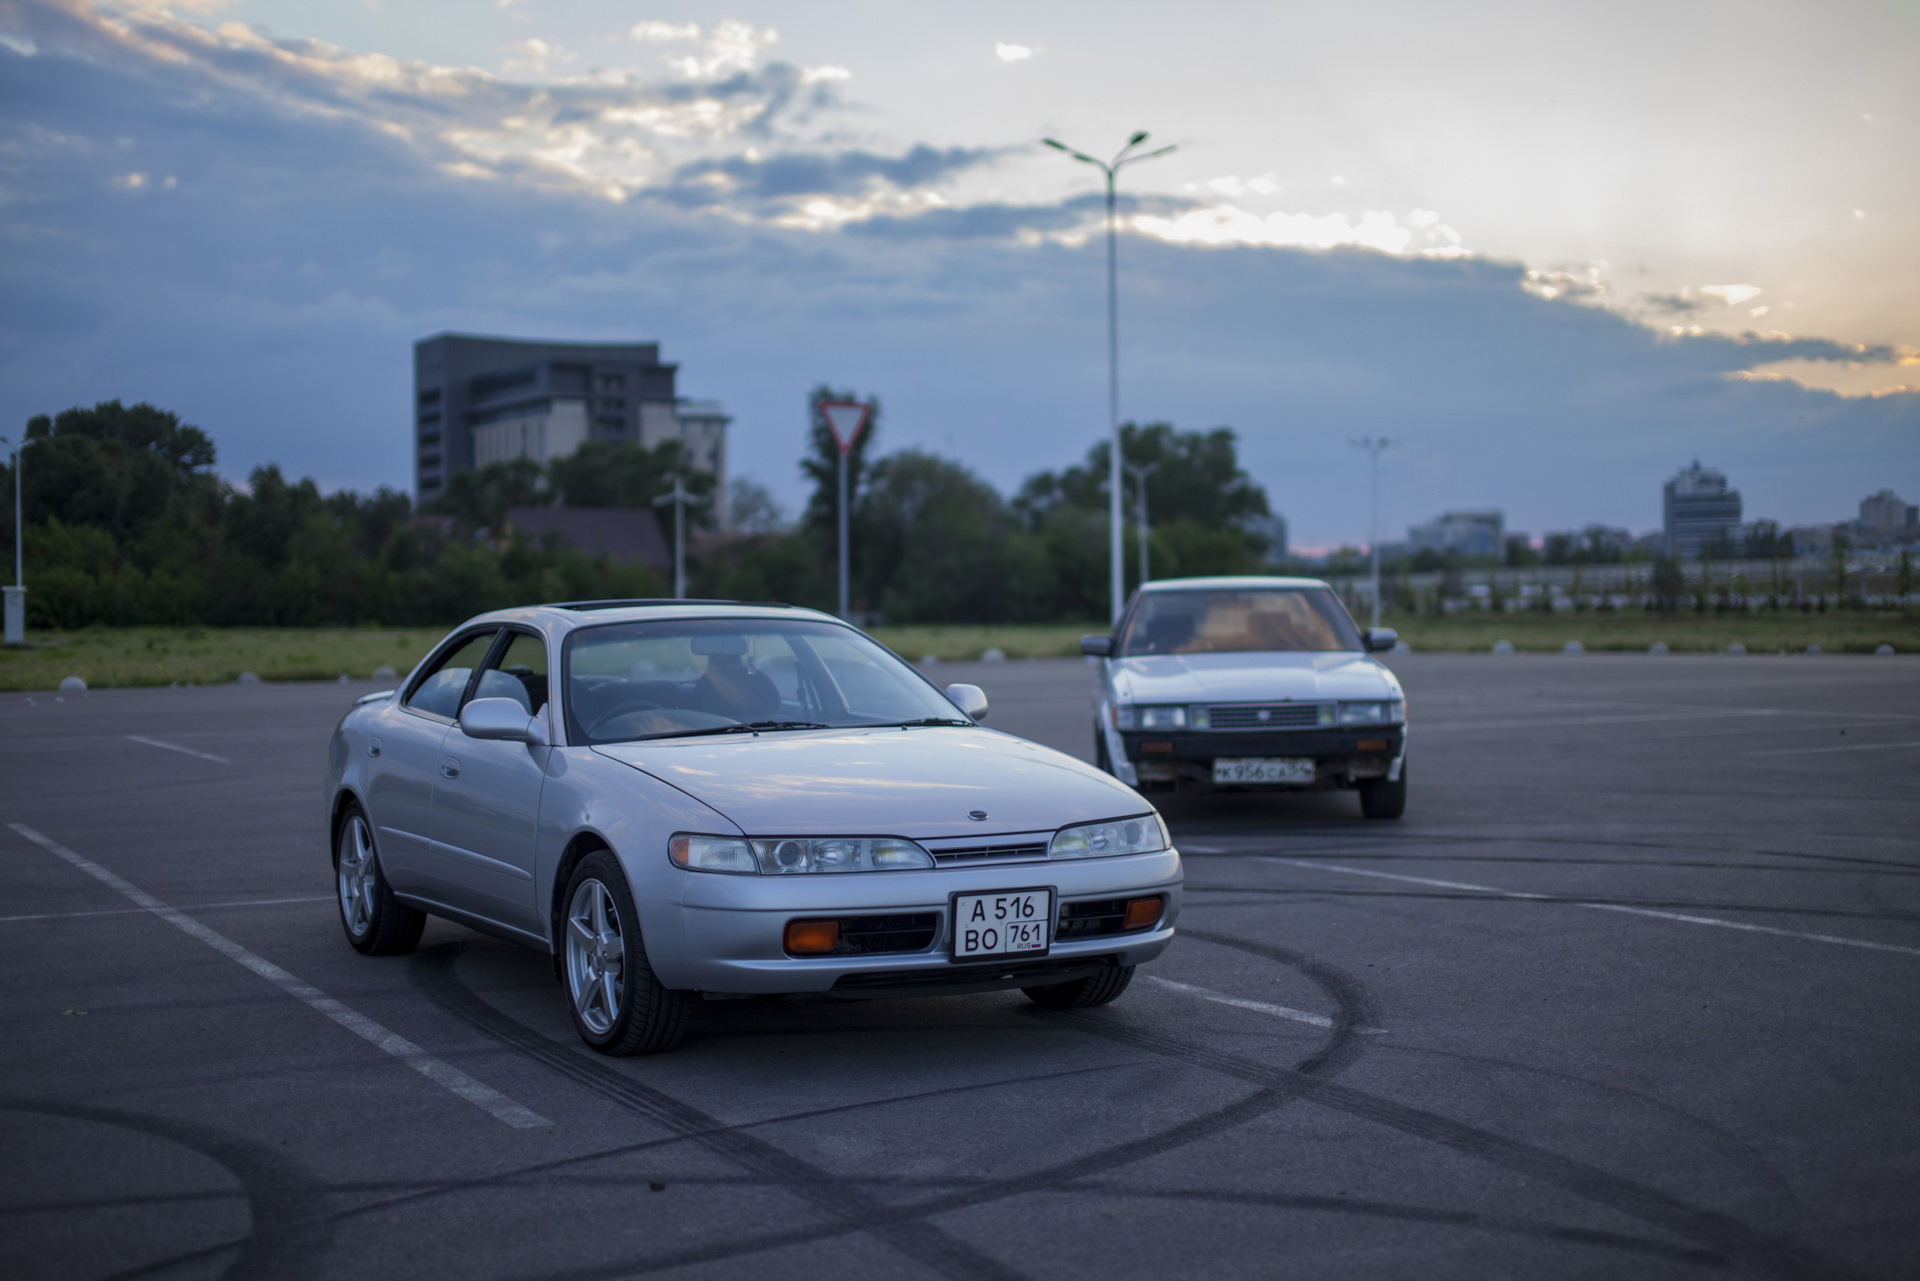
(450, 768)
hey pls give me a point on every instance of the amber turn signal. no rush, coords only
(1141, 912)
(1156, 747)
(1371, 745)
(804, 937)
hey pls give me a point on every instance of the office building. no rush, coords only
(1886, 517)
(1474, 535)
(1700, 512)
(480, 400)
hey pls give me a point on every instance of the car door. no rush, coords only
(406, 738)
(487, 795)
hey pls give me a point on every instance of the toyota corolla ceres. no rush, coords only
(1249, 682)
(686, 799)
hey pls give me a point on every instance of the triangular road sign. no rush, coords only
(846, 419)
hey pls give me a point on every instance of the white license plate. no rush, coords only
(1263, 769)
(1007, 923)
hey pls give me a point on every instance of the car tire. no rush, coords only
(1096, 989)
(1383, 798)
(617, 1005)
(377, 923)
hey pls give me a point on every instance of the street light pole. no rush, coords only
(16, 606)
(1140, 473)
(678, 496)
(1373, 445)
(1111, 169)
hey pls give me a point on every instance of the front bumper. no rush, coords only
(733, 927)
(1341, 757)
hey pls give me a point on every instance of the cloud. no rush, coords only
(653, 32)
(825, 173)
(1012, 52)
(1225, 224)
(733, 47)
(1731, 295)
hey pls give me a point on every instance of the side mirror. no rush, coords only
(970, 699)
(1097, 646)
(502, 719)
(1381, 639)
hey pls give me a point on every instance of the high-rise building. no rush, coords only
(1887, 515)
(1476, 535)
(480, 400)
(1700, 511)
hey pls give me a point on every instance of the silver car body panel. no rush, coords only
(489, 846)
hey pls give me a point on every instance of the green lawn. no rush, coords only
(108, 657)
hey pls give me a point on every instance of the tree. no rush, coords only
(1904, 580)
(1197, 478)
(478, 497)
(1837, 558)
(1667, 583)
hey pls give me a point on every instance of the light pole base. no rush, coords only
(16, 615)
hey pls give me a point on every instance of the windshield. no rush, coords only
(713, 675)
(1222, 622)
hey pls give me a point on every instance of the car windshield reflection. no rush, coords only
(1225, 622)
(684, 677)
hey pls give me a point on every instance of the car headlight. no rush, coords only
(1143, 835)
(1383, 712)
(1129, 716)
(712, 854)
(785, 855)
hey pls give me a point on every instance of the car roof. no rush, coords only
(565, 616)
(1230, 582)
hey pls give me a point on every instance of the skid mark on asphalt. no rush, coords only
(1465, 896)
(1683, 917)
(443, 1074)
(140, 911)
(1850, 747)
(175, 747)
(1259, 1007)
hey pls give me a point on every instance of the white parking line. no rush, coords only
(175, 747)
(1242, 1003)
(1597, 907)
(443, 1074)
(135, 911)
(1849, 747)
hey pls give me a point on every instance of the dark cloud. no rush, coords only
(807, 173)
(1672, 304)
(273, 294)
(1006, 222)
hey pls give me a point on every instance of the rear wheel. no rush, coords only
(617, 1004)
(1380, 798)
(1096, 989)
(376, 922)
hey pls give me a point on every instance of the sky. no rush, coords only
(1554, 252)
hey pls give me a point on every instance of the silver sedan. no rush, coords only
(687, 800)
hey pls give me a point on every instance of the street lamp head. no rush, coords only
(1137, 138)
(1056, 144)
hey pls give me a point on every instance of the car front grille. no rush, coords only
(960, 856)
(903, 932)
(1267, 716)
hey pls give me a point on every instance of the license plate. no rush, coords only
(1005, 923)
(1264, 769)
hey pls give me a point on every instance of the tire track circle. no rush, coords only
(925, 1243)
(288, 1233)
(1731, 1240)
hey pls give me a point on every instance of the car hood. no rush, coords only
(918, 783)
(1249, 678)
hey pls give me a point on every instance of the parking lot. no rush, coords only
(1631, 991)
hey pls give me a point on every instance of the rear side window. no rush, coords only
(439, 694)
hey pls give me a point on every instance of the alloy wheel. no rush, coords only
(355, 875)
(596, 957)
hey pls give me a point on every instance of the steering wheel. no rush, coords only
(624, 707)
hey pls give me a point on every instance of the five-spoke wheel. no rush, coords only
(596, 957)
(618, 1006)
(376, 922)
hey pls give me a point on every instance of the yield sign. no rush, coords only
(846, 419)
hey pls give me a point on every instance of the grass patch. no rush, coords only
(107, 658)
(1764, 632)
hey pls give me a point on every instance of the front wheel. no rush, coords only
(1078, 994)
(376, 922)
(1380, 798)
(617, 1004)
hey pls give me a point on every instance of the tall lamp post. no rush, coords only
(1140, 473)
(1373, 445)
(1111, 168)
(16, 607)
(679, 497)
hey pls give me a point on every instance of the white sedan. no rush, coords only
(1249, 683)
(688, 799)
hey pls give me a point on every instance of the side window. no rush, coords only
(439, 694)
(521, 674)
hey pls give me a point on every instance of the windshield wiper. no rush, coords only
(751, 727)
(930, 720)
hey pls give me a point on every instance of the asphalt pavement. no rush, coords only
(1630, 991)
